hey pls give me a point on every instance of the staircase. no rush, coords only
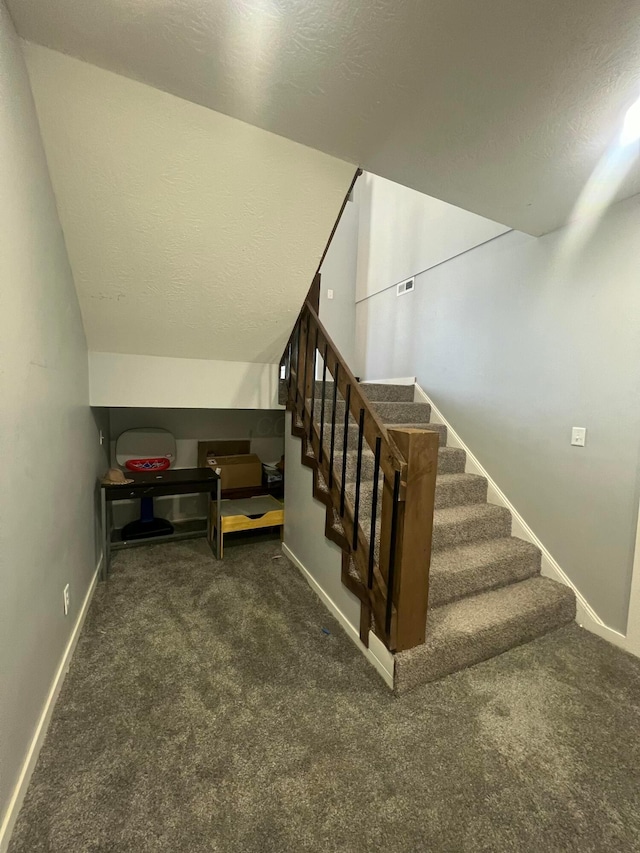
(441, 580)
(486, 594)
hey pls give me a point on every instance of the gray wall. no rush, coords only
(339, 269)
(304, 522)
(48, 435)
(516, 342)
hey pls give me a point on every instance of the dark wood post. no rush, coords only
(414, 531)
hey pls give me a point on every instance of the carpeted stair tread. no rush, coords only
(352, 436)
(451, 490)
(389, 413)
(375, 392)
(455, 525)
(480, 566)
(482, 626)
(460, 488)
(451, 460)
(379, 392)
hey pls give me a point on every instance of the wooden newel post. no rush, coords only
(414, 532)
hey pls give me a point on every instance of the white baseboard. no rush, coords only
(377, 654)
(11, 815)
(586, 616)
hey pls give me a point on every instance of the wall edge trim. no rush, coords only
(39, 735)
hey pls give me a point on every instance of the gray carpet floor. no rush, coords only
(207, 710)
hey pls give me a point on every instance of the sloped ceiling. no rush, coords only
(190, 234)
(502, 107)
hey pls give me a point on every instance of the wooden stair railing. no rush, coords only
(386, 560)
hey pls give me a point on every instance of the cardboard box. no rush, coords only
(238, 467)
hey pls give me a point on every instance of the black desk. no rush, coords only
(178, 481)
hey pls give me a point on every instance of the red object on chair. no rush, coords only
(159, 463)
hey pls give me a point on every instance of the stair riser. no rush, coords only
(381, 393)
(449, 462)
(495, 524)
(456, 494)
(376, 392)
(491, 526)
(447, 495)
(389, 413)
(444, 590)
(352, 440)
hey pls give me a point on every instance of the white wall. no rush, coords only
(403, 232)
(191, 234)
(180, 383)
(265, 429)
(48, 435)
(517, 341)
(339, 273)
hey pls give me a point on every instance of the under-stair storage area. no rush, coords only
(235, 435)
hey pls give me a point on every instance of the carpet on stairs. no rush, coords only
(486, 594)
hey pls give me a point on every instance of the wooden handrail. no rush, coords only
(392, 558)
(374, 427)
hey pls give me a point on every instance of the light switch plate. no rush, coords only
(329, 294)
(578, 436)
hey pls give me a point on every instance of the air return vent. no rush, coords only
(405, 287)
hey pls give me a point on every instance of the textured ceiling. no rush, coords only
(502, 107)
(190, 234)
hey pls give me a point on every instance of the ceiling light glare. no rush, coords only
(631, 127)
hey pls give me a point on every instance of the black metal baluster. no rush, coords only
(374, 509)
(324, 382)
(313, 385)
(392, 552)
(305, 373)
(356, 509)
(333, 423)
(285, 364)
(297, 361)
(344, 448)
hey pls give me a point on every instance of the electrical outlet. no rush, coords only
(65, 596)
(329, 294)
(578, 436)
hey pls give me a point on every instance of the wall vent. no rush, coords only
(405, 286)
